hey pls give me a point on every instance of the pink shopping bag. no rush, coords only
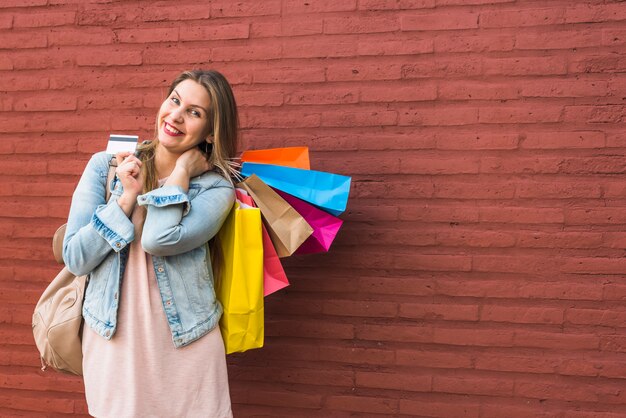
(325, 226)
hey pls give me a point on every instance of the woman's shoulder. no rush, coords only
(211, 179)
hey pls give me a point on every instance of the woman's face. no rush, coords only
(183, 117)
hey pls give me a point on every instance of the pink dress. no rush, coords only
(139, 372)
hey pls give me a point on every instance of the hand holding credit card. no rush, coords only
(122, 143)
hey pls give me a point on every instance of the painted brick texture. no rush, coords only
(480, 271)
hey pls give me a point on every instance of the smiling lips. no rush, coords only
(170, 130)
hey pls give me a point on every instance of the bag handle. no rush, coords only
(59, 234)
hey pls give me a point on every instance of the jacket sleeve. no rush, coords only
(175, 225)
(94, 228)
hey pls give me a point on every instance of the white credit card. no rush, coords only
(121, 143)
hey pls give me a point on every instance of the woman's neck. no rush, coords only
(164, 162)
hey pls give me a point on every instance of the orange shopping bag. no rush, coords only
(297, 157)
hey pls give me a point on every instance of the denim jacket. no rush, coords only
(177, 227)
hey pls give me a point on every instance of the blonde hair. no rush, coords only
(222, 125)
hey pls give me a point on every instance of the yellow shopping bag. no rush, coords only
(240, 285)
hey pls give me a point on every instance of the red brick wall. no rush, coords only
(481, 269)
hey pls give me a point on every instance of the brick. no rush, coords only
(245, 8)
(477, 141)
(320, 6)
(416, 4)
(442, 67)
(289, 75)
(296, 48)
(245, 53)
(165, 12)
(592, 165)
(519, 264)
(259, 98)
(597, 64)
(359, 118)
(600, 317)
(399, 93)
(611, 37)
(23, 40)
(356, 71)
(277, 399)
(319, 330)
(560, 240)
(521, 17)
(107, 57)
(473, 337)
(429, 408)
(476, 90)
(360, 308)
(518, 364)
(438, 213)
(521, 165)
(39, 19)
(356, 355)
(440, 116)
(473, 385)
(349, 24)
(566, 88)
(558, 40)
(439, 21)
(180, 55)
(106, 15)
(391, 48)
(46, 102)
(396, 381)
(522, 66)
(594, 114)
(213, 32)
(23, 3)
(401, 333)
(556, 340)
(151, 35)
(322, 95)
(470, 2)
(563, 140)
(362, 404)
(444, 312)
(522, 314)
(434, 359)
(482, 239)
(111, 100)
(534, 114)
(585, 13)
(379, 5)
(260, 119)
(559, 190)
(451, 42)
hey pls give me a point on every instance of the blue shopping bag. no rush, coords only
(326, 190)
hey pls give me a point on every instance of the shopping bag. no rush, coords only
(274, 277)
(287, 229)
(240, 285)
(325, 226)
(297, 157)
(325, 190)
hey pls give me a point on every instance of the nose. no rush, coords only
(177, 115)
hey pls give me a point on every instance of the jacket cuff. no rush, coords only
(107, 215)
(166, 196)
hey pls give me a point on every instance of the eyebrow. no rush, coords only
(192, 105)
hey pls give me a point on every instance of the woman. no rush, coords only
(151, 344)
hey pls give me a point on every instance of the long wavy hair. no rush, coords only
(222, 125)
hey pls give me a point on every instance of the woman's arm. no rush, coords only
(175, 225)
(94, 228)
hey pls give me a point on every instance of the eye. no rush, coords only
(175, 100)
(195, 113)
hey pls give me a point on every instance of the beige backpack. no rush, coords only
(58, 319)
